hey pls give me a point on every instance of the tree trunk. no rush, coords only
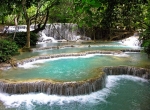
(2, 20)
(28, 34)
(27, 23)
(16, 19)
(39, 28)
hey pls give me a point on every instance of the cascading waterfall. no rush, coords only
(43, 38)
(71, 88)
(132, 41)
(53, 32)
(69, 32)
(128, 70)
(53, 87)
(62, 32)
(19, 28)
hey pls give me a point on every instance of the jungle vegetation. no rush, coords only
(101, 19)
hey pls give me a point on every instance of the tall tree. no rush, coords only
(145, 36)
(36, 10)
(6, 9)
(106, 15)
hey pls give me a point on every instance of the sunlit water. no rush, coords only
(78, 48)
(73, 68)
(121, 92)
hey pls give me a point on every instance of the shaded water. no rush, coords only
(121, 93)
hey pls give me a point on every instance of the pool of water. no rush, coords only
(51, 44)
(121, 93)
(78, 48)
(73, 68)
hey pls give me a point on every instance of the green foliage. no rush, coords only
(7, 49)
(62, 13)
(110, 14)
(20, 38)
(145, 36)
(146, 45)
(87, 12)
(105, 17)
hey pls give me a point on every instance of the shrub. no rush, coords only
(20, 38)
(7, 50)
(146, 45)
(145, 37)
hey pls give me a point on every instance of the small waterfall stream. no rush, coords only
(132, 41)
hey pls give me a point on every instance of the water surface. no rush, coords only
(73, 68)
(121, 93)
(78, 48)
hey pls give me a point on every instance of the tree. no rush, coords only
(6, 8)
(105, 16)
(39, 12)
(34, 12)
(62, 13)
(145, 36)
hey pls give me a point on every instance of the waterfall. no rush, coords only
(70, 88)
(52, 87)
(43, 38)
(60, 31)
(132, 41)
(64, 31)
(53, 32)
(128, 70)
(20, 28)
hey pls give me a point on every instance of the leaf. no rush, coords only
(95, 4)
(85, 8)
(89, 12)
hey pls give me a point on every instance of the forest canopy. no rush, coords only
(105, 18)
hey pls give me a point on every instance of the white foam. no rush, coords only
(36, 63)
(121, 55)
(132, 41)
(46, 39)
(41, 98)
(132, 78)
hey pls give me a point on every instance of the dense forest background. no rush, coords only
(101, 19)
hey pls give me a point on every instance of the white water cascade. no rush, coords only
(53, 32)
(44, 39)
(132, 41)
(19, 28)
(60, 31)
